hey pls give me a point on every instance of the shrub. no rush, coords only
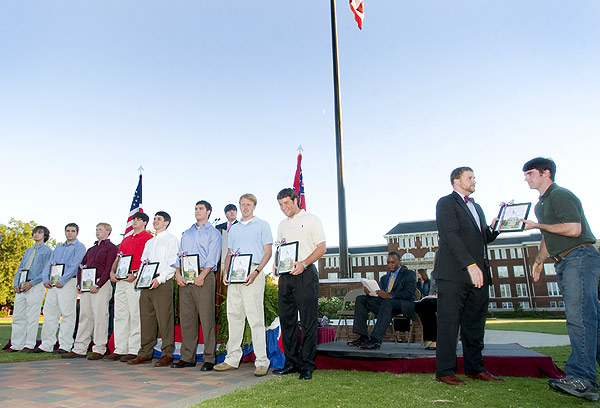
(329, 307)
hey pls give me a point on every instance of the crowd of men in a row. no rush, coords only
(139, 315)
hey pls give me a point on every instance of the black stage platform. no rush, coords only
(500, 359)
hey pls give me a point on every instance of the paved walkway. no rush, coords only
(83, 383)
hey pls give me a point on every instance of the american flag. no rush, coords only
(299, 183)
(136, 205)
(358, 10)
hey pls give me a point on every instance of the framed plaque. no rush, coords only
(147, 273)
(510, 216)
(88, 279)
(239, 268)
(286, 256)
(56, 272)
(190, 267)
(124, 266)
(23, 277)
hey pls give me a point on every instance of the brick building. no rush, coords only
(511, 256)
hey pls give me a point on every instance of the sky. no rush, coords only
(214, 98)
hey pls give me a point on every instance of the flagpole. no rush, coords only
(344, 272)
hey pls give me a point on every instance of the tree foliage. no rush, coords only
(16, 238)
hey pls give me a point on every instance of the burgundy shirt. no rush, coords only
(134, 245)
(101, 256)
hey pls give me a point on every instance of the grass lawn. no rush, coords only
(552, 326)
(15, 357)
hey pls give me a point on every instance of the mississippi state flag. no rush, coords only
(136, 205)
(358, 10)
(299, 183)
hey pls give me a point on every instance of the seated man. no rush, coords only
(397, 294)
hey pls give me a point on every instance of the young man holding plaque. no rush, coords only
(156, 303)
(299, 289)
(462, 273)
(568, 240)
(93, 305)
(61, 298)
(197, 299)
(246, 300)
(29, 295)
(127, 299)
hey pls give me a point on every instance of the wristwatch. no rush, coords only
(303, 264)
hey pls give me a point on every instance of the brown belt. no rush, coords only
(562, 255)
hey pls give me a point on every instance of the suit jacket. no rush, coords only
(223, 226)
(403, 289)
(461, 243)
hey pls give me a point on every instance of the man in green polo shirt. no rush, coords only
(567, 238)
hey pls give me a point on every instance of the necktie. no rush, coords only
(391, 282)
(30, 260)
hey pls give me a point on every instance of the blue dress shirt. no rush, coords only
(69, 254)
(40, 260)
(205, 241)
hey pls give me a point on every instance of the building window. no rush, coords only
(492, 291)
(553, 289)
(382, 274)
(503, 271)
(429, 255)
(507, 305)
(435, 240)
(496, 254)
(353, 261)
(332, 275)
(518, 271)
(371, 260)
(503, 254)
(505, 291)
(561, 304)
(489, 254)
(370, 275)
(412, 242)
(511, 253)
(553, 304)
(549, 269)
(407, 257)
(519, 253)
(356, 275)
(521, 290)
(524, 305)
(492, 305)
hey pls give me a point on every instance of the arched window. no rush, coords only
(429, 255)
(407, 257)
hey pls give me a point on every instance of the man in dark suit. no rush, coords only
(231, 216)
(396, 294)
(463, 277)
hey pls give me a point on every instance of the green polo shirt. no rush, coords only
(557, 206)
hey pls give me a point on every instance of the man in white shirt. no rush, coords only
(156, 303)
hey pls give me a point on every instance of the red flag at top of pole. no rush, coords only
(136, 205)
(299, 182)
(358, 10)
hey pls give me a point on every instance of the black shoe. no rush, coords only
(207, 366)
(306, 375)
(288, 369)
(182, 364)
(358, 342)
(372, 344)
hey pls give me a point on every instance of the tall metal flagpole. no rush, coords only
(344, 272)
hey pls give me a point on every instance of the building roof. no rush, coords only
(368, 249)
(413, 227)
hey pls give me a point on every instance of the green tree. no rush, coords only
(16, 238)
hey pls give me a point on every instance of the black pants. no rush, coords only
(427, 311)
(385, 309)
(299, 293)
(460, 305)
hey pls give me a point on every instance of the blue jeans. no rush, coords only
(577, 277)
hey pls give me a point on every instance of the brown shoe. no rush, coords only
(164, 361)
(139, 360)
(72, 354)
(94, 356)
(486, 376)
(112, 357)
(127, 357)
(450, 380)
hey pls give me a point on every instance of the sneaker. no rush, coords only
(261, 371)
(224, 367)
(575, 387)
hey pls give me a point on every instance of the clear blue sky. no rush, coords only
(213, 98)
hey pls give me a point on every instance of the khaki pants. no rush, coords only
(127, 318)
(156, 313)
(93, 320)
(198, 302)
(26, 317)
(61, 304)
